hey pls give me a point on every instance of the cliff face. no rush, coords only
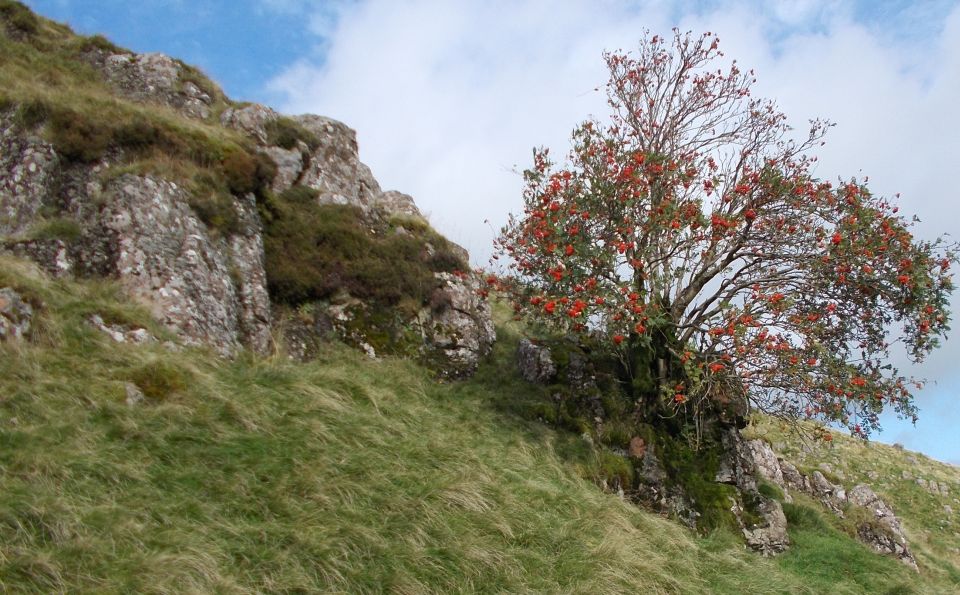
(137, 167)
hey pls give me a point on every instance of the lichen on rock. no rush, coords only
(28, 174)
(15, 315)
(461, 333)
(173, 212)
(153, 77)
(198, 285)
(535, 362)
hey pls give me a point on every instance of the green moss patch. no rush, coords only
(59, 228)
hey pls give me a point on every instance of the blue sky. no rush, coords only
(449, 96)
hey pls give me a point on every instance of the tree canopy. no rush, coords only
(690, 223)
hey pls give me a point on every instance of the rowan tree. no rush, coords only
(690, 226)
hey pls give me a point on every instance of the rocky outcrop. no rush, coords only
(768, 467)
(535, 362)
(769, 536)
(652, 484)
(332, 167)
(831, 495)
(396, 203)
(369, 192)
(883, 532)
(461, 332)
(254, 120)
(736, 466)
(451, 336)
(148, 237)
(140, 230)
(209, 285)
(661, 487)
(246, 261)
(289, 164)
(15, 315)
(792, 477)
(153, 78)
(880, 529)
(584, 388)
(251, 119)
(765, 530)
(28, 174)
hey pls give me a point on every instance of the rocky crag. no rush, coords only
(171, 190)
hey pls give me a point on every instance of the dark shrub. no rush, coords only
(32, 113)
(137, 134)
(216, 211)
(248, 171)
(213, 204)
(77, 137)
(444, 259)
(285, 132)
(313, 251)
(240, 171)
(195, 146)
(19, 17)
(299, 196)
(266, 171)
(803, 517)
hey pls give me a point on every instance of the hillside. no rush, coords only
(346, 475)
(231, 362)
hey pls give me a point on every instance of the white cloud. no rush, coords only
(447, 97)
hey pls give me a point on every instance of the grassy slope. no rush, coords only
(46, 67)
(933, 531)
(344, 475)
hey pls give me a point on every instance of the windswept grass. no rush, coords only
(343, 475)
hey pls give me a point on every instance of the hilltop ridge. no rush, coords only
(229, 220)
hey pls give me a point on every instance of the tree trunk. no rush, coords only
(652, 369)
